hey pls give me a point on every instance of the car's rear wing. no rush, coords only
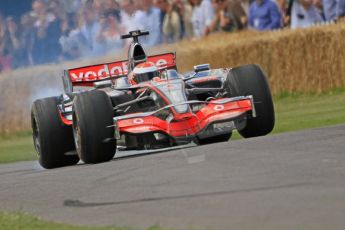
(87, 75)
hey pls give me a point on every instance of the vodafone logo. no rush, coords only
(219, 107)
(100, 72)
(138, 121)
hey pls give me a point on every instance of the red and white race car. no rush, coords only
(146, 103)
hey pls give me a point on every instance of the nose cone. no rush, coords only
(183, 116)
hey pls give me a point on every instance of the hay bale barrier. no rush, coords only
(296, 61)
(304, 61)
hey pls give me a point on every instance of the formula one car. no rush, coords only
(145, 103)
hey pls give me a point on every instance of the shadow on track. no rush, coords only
(81, 204)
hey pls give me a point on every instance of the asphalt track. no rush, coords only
(286, 181)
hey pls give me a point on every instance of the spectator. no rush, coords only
(14, 44)
(224, 19)
(340, 12)
(71, 7)
(282, 6)
(319, 8)
(184, 11)
(329, 8)
(72, 41)
(88, 4)
(56, 8)
(171, 23)
(146, 19)
(89, 31)
(112, 6)
(46, 48)
(245, 6)
(5, 57)
(333, 9)
(304, 14)
(264, 15)
(239, 9)
(162, 6)
(203, 14)
(37, 8)
(128, 10)
(25, 41)
(98, 8)
(110, 34)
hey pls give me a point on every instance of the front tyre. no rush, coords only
(94, 139)
(53, 140)
(250, 80)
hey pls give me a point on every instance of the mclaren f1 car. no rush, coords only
(145, 103)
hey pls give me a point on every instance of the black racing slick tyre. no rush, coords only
(251, 80)
(94, 139)
(53, 140)
(216, 139)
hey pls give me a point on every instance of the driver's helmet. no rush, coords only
(145, 71)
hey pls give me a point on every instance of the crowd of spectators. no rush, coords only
(57, 30)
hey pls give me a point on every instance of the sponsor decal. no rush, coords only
(224, 125)
(138, 121)
(219, 107)
(99, 72)
(103, 71)
(203, 79)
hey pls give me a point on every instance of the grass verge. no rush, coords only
(18, 147)
(297, 112)
(293, 112)
(23, 221)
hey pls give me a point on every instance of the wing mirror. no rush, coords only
(202, 67)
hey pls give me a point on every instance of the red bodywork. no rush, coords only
(183, 125)
(191, 124)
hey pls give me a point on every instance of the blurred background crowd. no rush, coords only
(36, 32)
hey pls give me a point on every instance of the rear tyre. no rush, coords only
(94, 140)
(52, 139)
(216, 139)
(250, 80)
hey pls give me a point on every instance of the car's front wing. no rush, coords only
(215, 117)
